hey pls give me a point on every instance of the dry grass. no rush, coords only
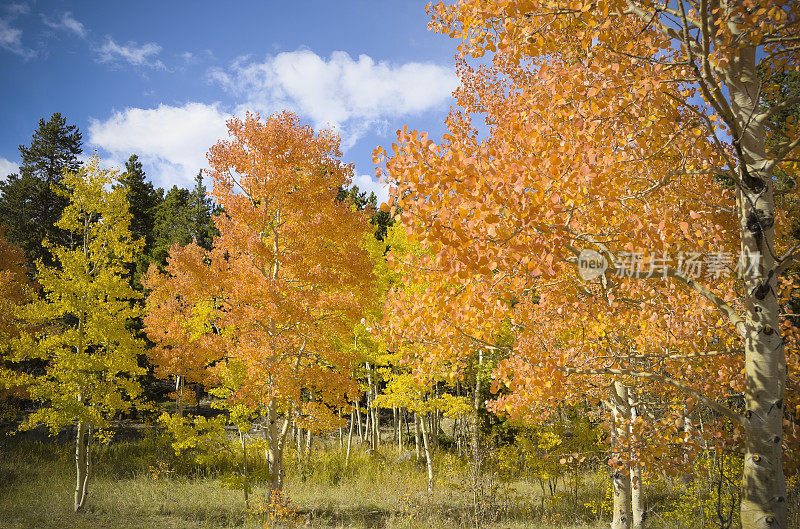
(375, 492)
(140, 484)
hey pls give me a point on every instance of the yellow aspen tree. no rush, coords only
(79, 324)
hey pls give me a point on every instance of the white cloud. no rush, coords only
(67, 23)
(144, 55)
(11, 40)
(354, 96)
(7, 167)
(15, 9)
(369, 184)
(171, 141)
(189, 57)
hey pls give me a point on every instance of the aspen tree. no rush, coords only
(79, 326)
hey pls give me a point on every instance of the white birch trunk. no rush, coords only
(341, 431)
(358, 418)
(763, 481)
(245, 477)
(416, 435)
(276, 443)
(428, 460)
(621, 483)
(82, 465)
(637, 487)
(349, 439)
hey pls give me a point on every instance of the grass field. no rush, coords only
(133, 488)
(138, 483)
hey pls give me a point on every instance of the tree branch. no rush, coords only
(714, 405)
(783, 149)
(733, 317)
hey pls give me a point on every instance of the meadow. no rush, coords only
(138, 482)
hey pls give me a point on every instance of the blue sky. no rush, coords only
(159, 79)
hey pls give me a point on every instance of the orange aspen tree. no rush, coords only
(16, 291)
(266, 314)
(631, 131)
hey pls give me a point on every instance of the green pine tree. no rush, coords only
(143, 202)
(183, 216)
(29, 203)
(381, 220)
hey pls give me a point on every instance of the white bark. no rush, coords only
(428, 460)
(276, 444)
(82, 465)
(341, 431)
(416, 435)
(638, 512)
(358, 418)
(245, 477)
(621, 483)
(763, 482)
(350, 437)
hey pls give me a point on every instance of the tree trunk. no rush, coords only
(405, 421)
(638, 512)
(763, 482)
(394, 423)
(245, 477)
(372, 412)
(82, 456)
(82, 464)
(277, 470)
(349, 438)
(416, 435)
(688, 473)
(433, 433)
(376, 427)
(399, 428)
(341, 430)
(428, 461)
(476, 431)
(299, 438)
(276, 442)
(179, 395)
(621, 482)
(370, 417)
(367, 427)
(358, 418)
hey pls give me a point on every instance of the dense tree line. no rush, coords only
(30, 204)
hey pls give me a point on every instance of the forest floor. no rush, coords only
(134, 485)
(131, 488)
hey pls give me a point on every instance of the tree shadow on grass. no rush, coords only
(347, 517)
(446, 514)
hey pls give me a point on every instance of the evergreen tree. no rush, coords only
(182, 217)
(202, 209)
(381, 220)
(29, 204)
(143, 201)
